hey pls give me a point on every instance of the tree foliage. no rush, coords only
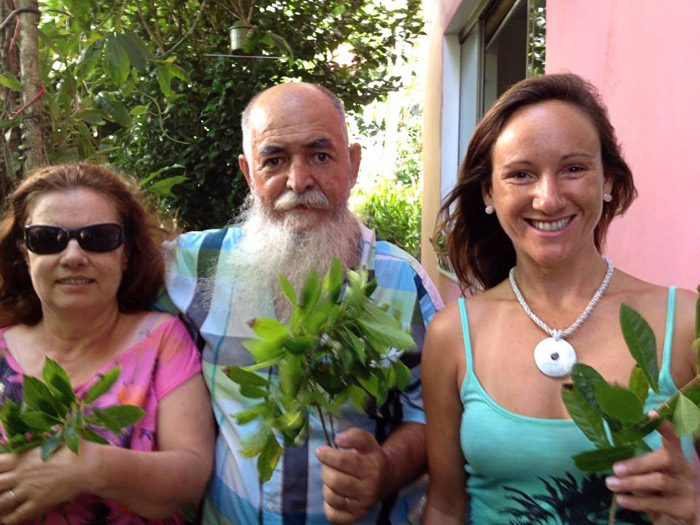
(135, 83)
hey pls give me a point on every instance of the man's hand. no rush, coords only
(353, 475)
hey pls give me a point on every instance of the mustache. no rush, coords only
(314, 199)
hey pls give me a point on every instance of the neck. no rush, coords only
(561, 284)
(71, 335)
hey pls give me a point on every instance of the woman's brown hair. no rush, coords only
(479, 249)
(142, 235)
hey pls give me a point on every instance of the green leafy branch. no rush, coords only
(332, 350)
(593, 403)
(51, 414)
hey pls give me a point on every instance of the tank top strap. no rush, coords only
(465, 334)
(665, 372)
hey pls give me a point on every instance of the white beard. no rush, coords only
(271, 247)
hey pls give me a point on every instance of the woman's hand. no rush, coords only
(661, 483)
(30, 487)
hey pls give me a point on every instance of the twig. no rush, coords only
(36, 97)
(323, 426)
(613, 510)
(187, 34)
(670, 400)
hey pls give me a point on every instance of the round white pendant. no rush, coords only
(555, 358)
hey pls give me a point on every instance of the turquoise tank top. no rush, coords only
(520, 469)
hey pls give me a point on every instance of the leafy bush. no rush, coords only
(393, 210)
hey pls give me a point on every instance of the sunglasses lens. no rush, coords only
(45, 240)
(100, 238)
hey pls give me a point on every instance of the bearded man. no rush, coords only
(300, 169)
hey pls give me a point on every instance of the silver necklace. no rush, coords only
(554, 356)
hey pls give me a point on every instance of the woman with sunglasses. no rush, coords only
(79, 265)
(542, 180)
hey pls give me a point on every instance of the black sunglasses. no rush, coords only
(46, 240)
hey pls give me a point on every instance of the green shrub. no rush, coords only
(393, 211)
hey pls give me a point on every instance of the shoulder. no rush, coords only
(395, 268)
(197, 240)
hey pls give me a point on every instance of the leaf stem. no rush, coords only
(685, 388)
(613, 510)
(323, 426)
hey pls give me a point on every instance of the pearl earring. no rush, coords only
(607, 197)
(488, 209)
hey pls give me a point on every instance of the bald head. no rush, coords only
(291, 95)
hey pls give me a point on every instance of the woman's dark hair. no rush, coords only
(479, 249)
(142, 235)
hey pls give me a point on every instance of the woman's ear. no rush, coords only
(486, 194)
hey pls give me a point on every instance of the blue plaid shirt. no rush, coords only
(294, 493)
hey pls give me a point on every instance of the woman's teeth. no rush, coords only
(552, 226)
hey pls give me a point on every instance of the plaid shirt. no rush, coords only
(294, 493)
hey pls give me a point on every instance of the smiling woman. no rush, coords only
(542, 180)
(79, 264)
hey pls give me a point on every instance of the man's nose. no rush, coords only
(548, 197)
(299, 177)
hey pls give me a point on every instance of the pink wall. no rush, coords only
(643, 56)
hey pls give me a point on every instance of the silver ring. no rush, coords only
(12, 493)
(347, 501)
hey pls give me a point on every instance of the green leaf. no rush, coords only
(602, 460)
(638, 383)
(619, 403)
(49, 446)
(330, 382)
(250, 414)
(116, 60)
(253, 392)
(268, 328)
(37, 396)
(269, 457)
(138, 110)
(264, 351)
(102, 385)
(310, 292)
(288, 290)
(10, 81)
(585, 379)
(252, 450)
(164, 187)
(244, 377)
(58, 382)
(333, 281)
(389, 335)
(20, 445)
(291, 377)
(164, 78)
(138, 52)
(585, 416)
(641, 342)
(90, 435)
(403, 375)
(686, 416)
(113, 110)
(634, 433)
(358, 397)
(72, 438)
(39, 420)
(116, 418)
(299, 345)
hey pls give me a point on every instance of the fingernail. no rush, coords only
(612, 482)
(620, 469)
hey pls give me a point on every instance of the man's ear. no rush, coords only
(243, 164)
(355, 151)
